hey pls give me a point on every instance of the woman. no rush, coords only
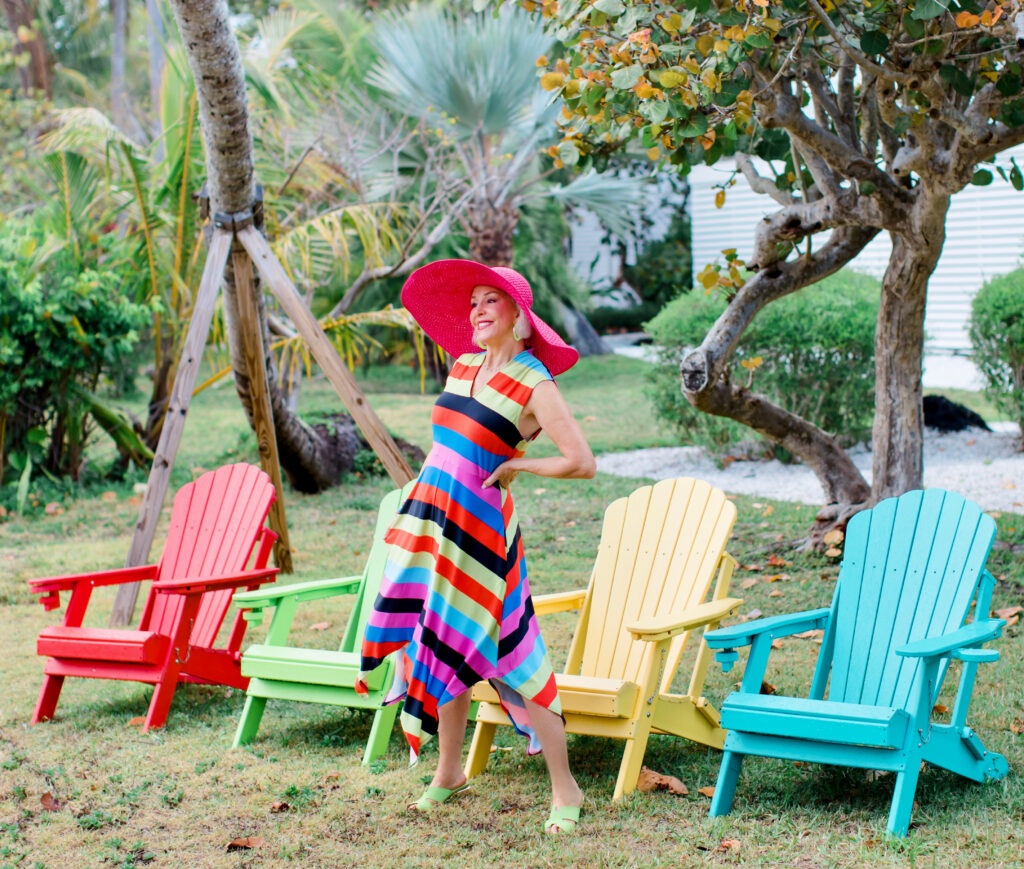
(455, 597)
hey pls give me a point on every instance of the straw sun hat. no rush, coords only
(438, 296)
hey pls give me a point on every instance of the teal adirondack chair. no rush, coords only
(912, 566)
(282, 672)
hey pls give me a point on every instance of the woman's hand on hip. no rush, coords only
(503, 475)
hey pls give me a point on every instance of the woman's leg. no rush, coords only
(451, 734)
(551, 732)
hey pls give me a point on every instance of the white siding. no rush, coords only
(984, 238)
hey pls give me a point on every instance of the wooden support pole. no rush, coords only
(174, 423)
(326, 355)
(262, 412)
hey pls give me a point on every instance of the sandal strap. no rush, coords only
(564, 819)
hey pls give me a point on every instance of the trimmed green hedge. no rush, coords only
(818, 352)
(997, 334)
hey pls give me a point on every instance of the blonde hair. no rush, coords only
(523, 328)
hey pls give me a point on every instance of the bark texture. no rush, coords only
(35, 75)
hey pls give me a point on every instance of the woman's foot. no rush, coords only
(434, 795)
(565, 811)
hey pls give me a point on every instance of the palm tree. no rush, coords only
(476, 79)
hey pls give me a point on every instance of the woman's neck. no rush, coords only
(496, 357)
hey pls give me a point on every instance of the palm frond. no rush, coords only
(614, 199)
(76, 183)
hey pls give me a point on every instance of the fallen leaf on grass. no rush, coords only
(767, 687)
(749, 583)
(1006, 612)
(777, 561)
(319, 626)
(833, 536)
(776, 644)
(768, 512)
(3, 511)
(109, 496)
(53, 509)
(134, 501)
(539, 491)
(727, 845)
(137, 721)
(776, 593)
(277, 808)
(49, 803)
(649, 780)
(590, 419)
(708, 791)
(244, 843)
(775, 577)
(815, 634)
(832, 552)
(1017, 726)
(939, 709)
(751, 568)
(331, 775)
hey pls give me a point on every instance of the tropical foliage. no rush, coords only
(997, 335)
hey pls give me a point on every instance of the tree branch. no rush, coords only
(758, 183)
(858, 57)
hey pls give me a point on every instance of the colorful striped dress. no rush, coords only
(455, 598)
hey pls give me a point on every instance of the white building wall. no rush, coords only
(984, 238)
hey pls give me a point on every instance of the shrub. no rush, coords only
(60, 330)
(997, 334)
(817, 348)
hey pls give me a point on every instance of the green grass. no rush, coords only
(179, 796)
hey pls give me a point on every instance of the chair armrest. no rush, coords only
(701, 614)
(212, 583)
(779, 626)
(314, 590)
(96, 578)
(560, 602)
(973, 634)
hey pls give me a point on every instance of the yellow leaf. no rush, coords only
(708, 277)
(653, 153)
(644, 89)
(710, 79)
(542, 60)
(705, 44)
(722, 45)
(832, 552)
(719, 199)
(552, 81)
(762, 3)
(706, 791)
(691, 66)
(833, 536)
(25, 34)
(572, 88)
(752, 363)
(967, 19)
(671, 78)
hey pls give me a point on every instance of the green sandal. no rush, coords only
(562, 820)
(433, 797)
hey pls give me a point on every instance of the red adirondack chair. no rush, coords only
(216, 525)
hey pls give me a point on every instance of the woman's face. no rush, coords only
(492, 315)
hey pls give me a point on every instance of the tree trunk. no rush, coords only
(35, 75)
(118, 103)
(155, 31)
(312, 457)
(491, 230)
(897, 463)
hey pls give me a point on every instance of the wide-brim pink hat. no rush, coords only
(438, 297)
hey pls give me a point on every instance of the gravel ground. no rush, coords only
(986, 467)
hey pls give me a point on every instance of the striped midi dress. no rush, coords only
(455, 601)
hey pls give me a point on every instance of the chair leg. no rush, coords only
(632, 761)
(48, 696)
(380, 733)
(160, 705)
(725, 788)
(480, 748)
(252, 714)
(903, 797)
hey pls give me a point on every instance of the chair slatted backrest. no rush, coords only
(659, 551)
(911, 567)
(373, 573)
(215, 524)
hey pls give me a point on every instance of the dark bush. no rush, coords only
(997, 334)
(817, 356)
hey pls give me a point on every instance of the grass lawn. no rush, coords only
(180, 795)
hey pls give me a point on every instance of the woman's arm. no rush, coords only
(548, 410)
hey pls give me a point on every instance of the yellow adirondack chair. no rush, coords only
(660, 549)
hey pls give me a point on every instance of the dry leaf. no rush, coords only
(49, 803)
(571, 523)
(749, 583)
(776, 593)
(559, 540)
(777, 561)
(319, 626)
(768, 512)
(109, 496)
(277, 808)
(727, 845)
(649, 780)
(1017, 726)
(751, 568)
(1009, 611)
(755, 613)
(776, 644)
(3, 511)
(331, 775)
(939, 709)
(245, 842)
(53, 509)
(767, 687)
(815, 634)
(1007, 484)
(833, 536)
(773, 578)
(137, 721)
(708, 791)
(590, 419)
(134, 501)
(832, 552)
(539, 491)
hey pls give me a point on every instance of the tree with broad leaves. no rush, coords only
(872, 116)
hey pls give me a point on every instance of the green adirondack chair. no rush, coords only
(912, 567)
(282, 672)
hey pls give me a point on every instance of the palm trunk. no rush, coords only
(34, 75)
